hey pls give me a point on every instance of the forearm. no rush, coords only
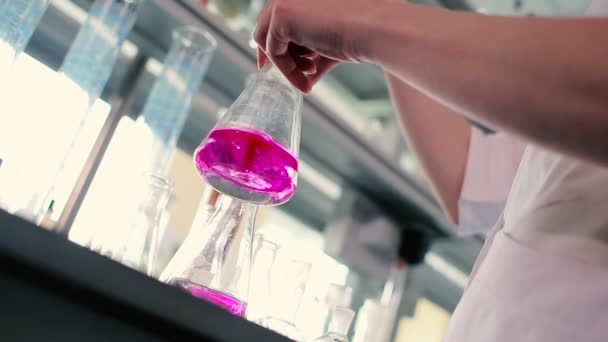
(542, 79)
(439, 138)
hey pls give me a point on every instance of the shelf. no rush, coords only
(55, 290)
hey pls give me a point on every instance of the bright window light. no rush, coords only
(41, 107)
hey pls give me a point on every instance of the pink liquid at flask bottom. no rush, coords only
(224, 301)
(250, 160)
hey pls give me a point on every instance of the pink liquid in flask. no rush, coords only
(247, 165)
(224, 301)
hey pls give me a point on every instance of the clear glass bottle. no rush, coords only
(341, 319)
(168, 104)
(136, 244)
(214, 261)
(68, 101)
(390, 301)
(369, 321)
(251, 153)
(288, 286)
(260, 292)
(18, 20)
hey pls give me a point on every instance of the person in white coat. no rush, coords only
(539, 186)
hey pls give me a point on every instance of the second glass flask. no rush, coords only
(252, 152)
(214, 261)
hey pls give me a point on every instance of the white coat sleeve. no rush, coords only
(492, 163)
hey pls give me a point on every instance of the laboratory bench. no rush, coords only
(55, 290)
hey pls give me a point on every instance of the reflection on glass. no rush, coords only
(139, 240)
(18, 20)
(214, 261)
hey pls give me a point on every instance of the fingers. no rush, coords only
(323, 65)
(262, 59)
(301, 51)
(277, 50)
(306, 65)
(263, 24)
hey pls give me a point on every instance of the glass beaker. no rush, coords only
(264, 258)
(251, 153)
(214, 261)
(136, 244)
(168, 104)
(18, 20)
(288, 287)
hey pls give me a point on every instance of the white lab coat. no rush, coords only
(543, 272)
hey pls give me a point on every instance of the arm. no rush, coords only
(439, 138)
(545, 80)
(542, 79)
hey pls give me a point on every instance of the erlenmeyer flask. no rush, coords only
(214, 262)
(168, 105)
(251, 153)
(288, 288)
(18, 20)
(135, 245)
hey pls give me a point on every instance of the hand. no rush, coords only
(306, 39)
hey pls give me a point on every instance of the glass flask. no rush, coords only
(288, 286)
(264, 258)
(160, 124)
(168, 104)
(369, 322)
(392, 294)
(339, 325)
(251, 153)
(81, 78)
(214, 261)
(136, 244)
(18, 20)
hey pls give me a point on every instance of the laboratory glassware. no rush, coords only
(214, 261)
(207, 206)
(288, 287)
(168, 104)
(251, 153)
(369, 321)
(163, 116)
(392, 294)
(136, 244)
(18, 20)
(264, 257)
(341, 319)
(79, 82)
